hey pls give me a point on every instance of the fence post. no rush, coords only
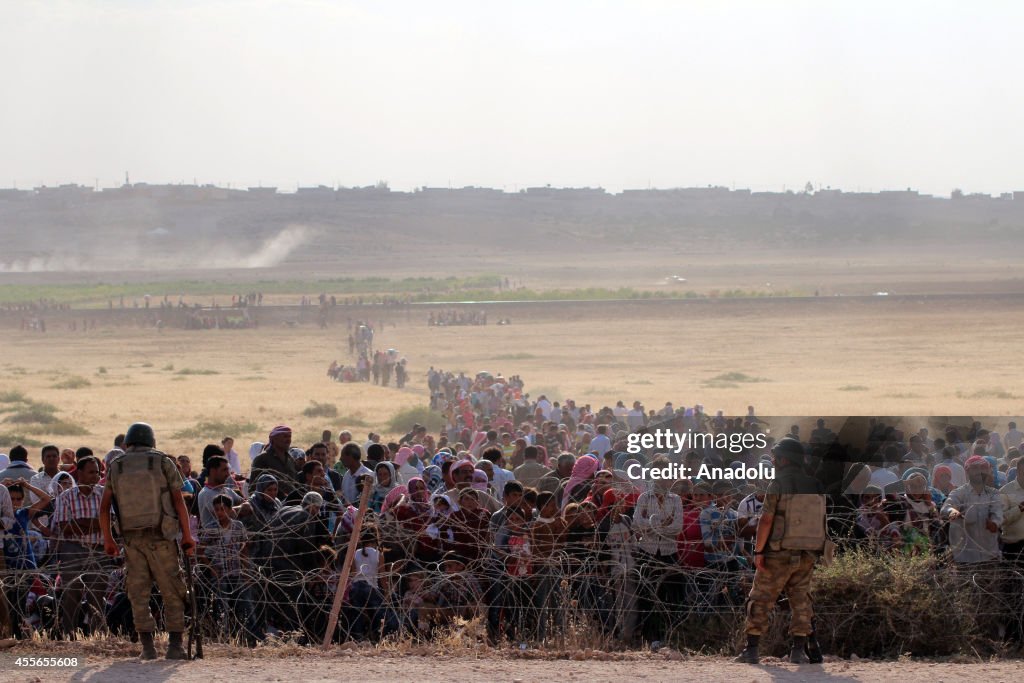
(346, 568)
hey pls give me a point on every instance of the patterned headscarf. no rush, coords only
(433, 477)
(480, 480)
(393, 498)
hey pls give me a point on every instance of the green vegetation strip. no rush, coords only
(417, 289)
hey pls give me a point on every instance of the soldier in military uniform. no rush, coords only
(790, 538)
(144, 485)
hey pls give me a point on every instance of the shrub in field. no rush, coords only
(215, 430)
(9, 440)
(321, 410)
(872, 604)
(33, 413)
(12, 396)
(404, 419)
(75, 382)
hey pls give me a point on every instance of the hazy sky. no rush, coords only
(870, 95)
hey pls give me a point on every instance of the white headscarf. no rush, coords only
(54, 488)
(5, 461)
(255, 449)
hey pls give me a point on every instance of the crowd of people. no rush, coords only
(39, 305)
(455, 316)
(524, 513)
(379, 370)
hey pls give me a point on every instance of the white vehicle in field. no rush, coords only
(675, 280)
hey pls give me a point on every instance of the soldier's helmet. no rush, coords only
(140, 434)
(791, 449)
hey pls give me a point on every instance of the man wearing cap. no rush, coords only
(275, 460)
(790, 538)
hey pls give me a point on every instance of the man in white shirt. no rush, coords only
(975, 514)
(636, 417)
(658, 519)
(352, 461)
(601, 444)
(545, 407)
(51, 466)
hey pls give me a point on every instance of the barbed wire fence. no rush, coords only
(872, 601)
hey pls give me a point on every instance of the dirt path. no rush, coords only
(386, 668)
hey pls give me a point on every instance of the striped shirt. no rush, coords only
(73, 504)
(223, 547)
(717, 528)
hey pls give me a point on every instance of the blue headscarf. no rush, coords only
(433, 478)
(998, 477)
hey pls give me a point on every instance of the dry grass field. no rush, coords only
(827, 356)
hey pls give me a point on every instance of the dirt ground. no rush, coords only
(387, 668)
(815, 357)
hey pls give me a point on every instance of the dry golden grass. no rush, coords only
(819, 357)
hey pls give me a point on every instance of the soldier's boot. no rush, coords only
(148, 649)
(814, 655)
(797, 655)
(749, 654)
(174, 648)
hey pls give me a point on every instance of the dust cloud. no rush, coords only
(186, 255)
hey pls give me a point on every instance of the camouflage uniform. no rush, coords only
(149, 556)
(790, 571)
(784, 570)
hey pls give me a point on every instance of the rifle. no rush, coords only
(193, 628)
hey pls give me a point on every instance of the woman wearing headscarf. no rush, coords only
(404, 464)
(405, 520)
(578, 486)
(433, 478)
(934, 493)
(394, 497)
(921, 520)
(998, 479)
(542, 456)
(470, 524)
(481, 482)
(438, 535)
(942, 479)
(384, 473)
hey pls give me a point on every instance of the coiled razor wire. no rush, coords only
(576, 597)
